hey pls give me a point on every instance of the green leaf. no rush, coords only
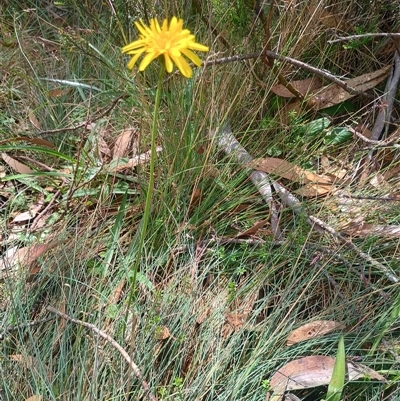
(342, 108)
(336, 384)
(337, 136)
(315, 127)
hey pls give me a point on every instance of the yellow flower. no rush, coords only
(172, 41)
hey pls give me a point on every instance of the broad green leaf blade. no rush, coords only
(336, 384)
(315, 127)
(337, 136)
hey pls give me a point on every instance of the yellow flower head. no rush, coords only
(172, 41)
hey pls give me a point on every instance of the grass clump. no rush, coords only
(213, 296)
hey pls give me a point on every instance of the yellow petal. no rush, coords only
(168, 63)
(192, 57)
(198, 46)
(143, 29)
(133, 60)
(173, 23)
(183, 66)
(148, 58)
(174, 52)
(132, 46)
(164, 27)
(155, 26)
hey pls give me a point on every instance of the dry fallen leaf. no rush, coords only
(16, 165)
(103, 148)
(378, 181)
(24, 257)
(303, 86)
(365, 230)
(162, 333)
(307, 372)
(253, 230)
(123, 142)
(58, 92)
(333, 94)
(288, 170)
(313, 371)
(36, 141)
(34, 209)
(312, 190)
(202, 310)
(356, 371)
(312, 329)
(233, 322)
(331, 20)
(35, 398)
(34, 121)
(134, 161)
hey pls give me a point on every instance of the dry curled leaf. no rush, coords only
(365, 230)
(312, 329)
(162, 333)
(302, 86)
(313, 371)
(334, 94)
(34, 121)
(290, 171)
(253, 229)
(312, 190)
(36, 141)
(35, 398)
(133, 162)
(123, 143)
(24, 257)
(16, 165)
(307, 372)
(233, 322)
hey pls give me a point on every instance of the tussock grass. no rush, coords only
(192, 284)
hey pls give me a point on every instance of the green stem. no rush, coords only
(142, 231)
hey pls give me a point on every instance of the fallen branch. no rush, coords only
(110, 340)
(226, 141)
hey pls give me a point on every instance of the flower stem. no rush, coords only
(142, 230)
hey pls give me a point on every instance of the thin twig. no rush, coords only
(389, 274)
(388, 141)
(7, 329)
(321, 73)
(85, 123)
(45, 210)
(114, 343)
(374, 198)
(364, 35)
